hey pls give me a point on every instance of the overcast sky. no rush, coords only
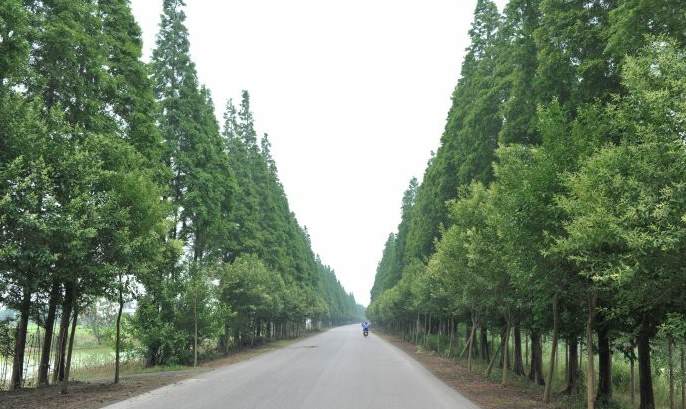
(354, 96)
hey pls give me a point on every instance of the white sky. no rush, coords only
(354, 96)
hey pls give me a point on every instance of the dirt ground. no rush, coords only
(474, 386)
(100, 393)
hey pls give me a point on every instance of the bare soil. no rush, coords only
(99, 393)
(474, 386)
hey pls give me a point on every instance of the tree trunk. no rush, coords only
(536, 369)
(493, 359)
(604, 394)
(471, 343)
(485, 353)
(590, 370)
(683, 378)
(452, 335)
(44, 364)
(505, 349)
(572, 366)
(644, 371)
(65, 381)
(526, 349)
(553, 351)
(118, 332)
(633, 381)
(195, 331)
(670, 366)
(518, 364)
(20, 341)
(416, 332)
(65, 319)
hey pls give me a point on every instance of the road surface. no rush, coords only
(338, 369)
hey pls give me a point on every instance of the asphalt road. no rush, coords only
(338, 369)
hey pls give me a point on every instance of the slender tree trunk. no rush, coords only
(536, 369)
(553, 351)
(195, 331)
(467, 346)
(44, 365)
(572, 366)
(526, 348)
(644, 370)
(416, 331)
(485, 353)
(65, 319)
(670, 366)
(20, 340)
(227, 332)
(683, 378)
(633, 381)
(118, 332)
(65, 382)
(471, 343)
(505, 349)
(452, 335)
(518, 364)
(590, 370)
(604, 394)
(493, 359)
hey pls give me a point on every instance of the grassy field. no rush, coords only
(90, 360)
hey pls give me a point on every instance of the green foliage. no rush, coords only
(116, 183)
(581, 200)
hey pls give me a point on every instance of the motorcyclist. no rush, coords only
(365, 326)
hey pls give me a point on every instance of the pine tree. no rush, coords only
(470, 138)
(517, 65)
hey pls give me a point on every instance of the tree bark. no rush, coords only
(670, 366)
(683, 378)
(471, 343)
(65, 382)
(505, 349)
(526, 349)
(518, 363)
(416, 332)
(633, 381)
(65, 319)
(553, 351)
(590, 370)
(604, 394)
(644, 371)
(195, 328)
(118, 332)
(485, 353)
(44, 365)
(20, 340)
(536, 369)
(572, 366)
(452, 335)
(493, 359)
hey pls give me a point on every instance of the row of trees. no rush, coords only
(116, 181)
(555, 203)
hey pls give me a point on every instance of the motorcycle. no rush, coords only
(365, 332)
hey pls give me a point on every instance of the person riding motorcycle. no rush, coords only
(365, 326)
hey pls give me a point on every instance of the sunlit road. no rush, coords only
(335, 369)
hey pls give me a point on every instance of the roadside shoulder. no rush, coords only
(474, 386)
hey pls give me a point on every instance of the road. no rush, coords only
(338, 369)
